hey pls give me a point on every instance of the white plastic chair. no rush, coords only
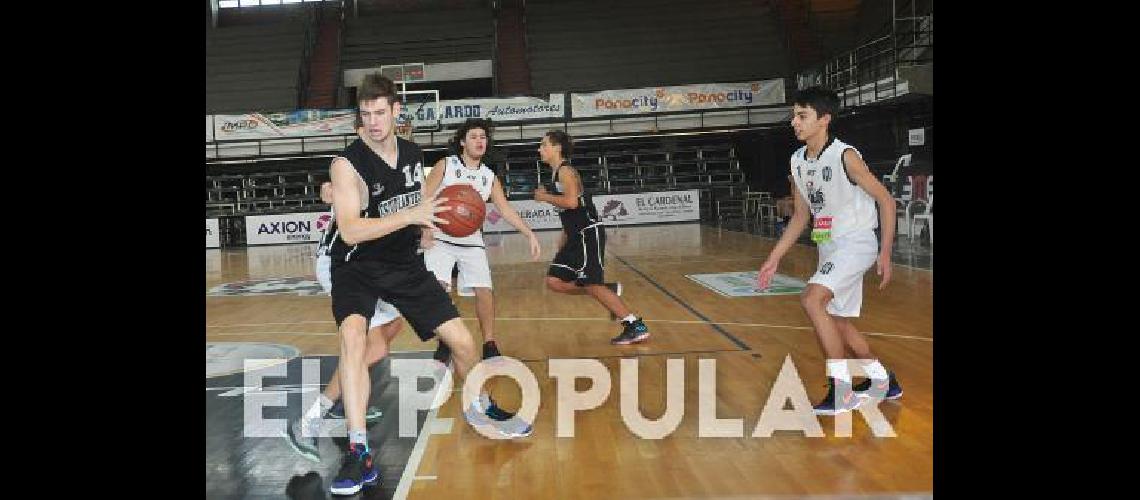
(890, 179)
(927, 215)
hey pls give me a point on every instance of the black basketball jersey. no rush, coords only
(575, 219)
(389, 191)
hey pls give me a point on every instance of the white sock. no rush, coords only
(837, 369)
(629, 319)
(358, 436)
(875, 370)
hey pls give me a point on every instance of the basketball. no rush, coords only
(467, 210)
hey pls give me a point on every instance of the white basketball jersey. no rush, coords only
(481, 179)
(838, 205)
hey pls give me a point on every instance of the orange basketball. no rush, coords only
(467, 210)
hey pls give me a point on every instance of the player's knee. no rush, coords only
(392, 328)
(353, 347)
(555, 284)
(456, 336)
(843, 324)
(814, 298)
(807, 300)
(463, 346)
(352, 331)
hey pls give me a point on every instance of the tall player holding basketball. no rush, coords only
(577, 268)
(833, 181)
(303, 432)
(471, 141)
(378, 199)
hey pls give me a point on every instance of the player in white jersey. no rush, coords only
(385, 322)
(834, 184)
(443, 251)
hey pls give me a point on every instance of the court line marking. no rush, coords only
(674, 321)
(418, 450)
(739, 343)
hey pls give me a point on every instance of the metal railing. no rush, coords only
(650, 124)
(876, 62)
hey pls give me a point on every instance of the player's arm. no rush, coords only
(326, 193)
(355, 229)
(434, 178)
(801, 216)
(512, 217)
(500, 200)
(430, 186)
(569, 198)
(857, 171)
(796, 226)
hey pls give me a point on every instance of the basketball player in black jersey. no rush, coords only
(377, 196)
(577, 268)
(303, 432)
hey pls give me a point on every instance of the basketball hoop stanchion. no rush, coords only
(416, 110)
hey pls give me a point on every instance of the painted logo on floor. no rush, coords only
(226, 358)
(295, 285)
(743, 284)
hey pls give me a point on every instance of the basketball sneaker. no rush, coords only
(484, 412)
(490, 350)
(829, 405)
(890, 389)
(634, 331)
(357, 471)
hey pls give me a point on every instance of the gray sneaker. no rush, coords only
(484, 412)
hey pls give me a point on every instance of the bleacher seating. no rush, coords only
(672, 42)
(255, 68)
(435, 36)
